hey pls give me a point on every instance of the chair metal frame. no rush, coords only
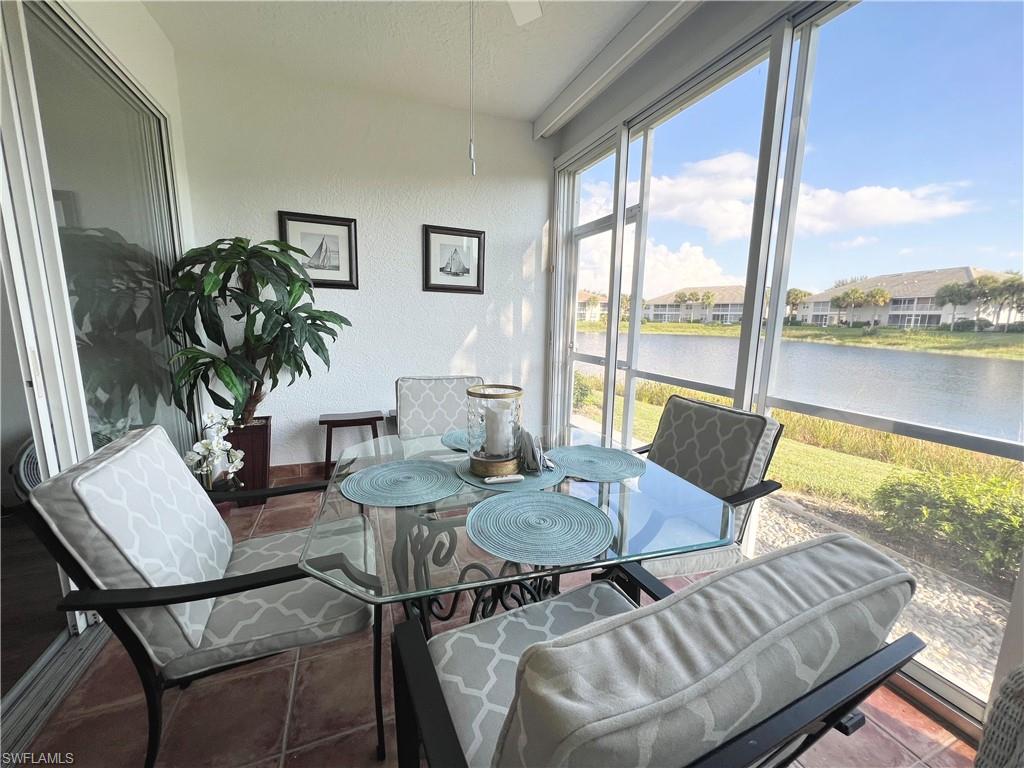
(422, 715)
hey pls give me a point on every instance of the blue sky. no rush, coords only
(914, 156)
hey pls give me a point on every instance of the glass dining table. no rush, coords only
(422, 557)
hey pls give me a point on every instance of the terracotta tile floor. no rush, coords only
(314, 708)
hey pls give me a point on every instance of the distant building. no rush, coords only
(912, 303)
(725, 305)
(590, 306)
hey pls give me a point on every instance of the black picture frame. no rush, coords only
(432, 284)
(322, 278)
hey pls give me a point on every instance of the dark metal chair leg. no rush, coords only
(378, 616)
(154, 707)
(406, 728)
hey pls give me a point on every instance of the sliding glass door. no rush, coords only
(850, 263)
(111, 198)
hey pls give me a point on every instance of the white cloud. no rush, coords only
(717, 195)
(664, 269)
(904, 251)
(595, 201)
(857, 242)
(826, 210)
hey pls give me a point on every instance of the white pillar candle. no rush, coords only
(499, 428)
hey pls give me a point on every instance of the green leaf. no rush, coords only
(211, 283)
(244, 368)
(318, 346)
(212, 323)
(230, 380)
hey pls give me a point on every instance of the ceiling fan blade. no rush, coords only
(524, 11)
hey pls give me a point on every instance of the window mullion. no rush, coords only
(764, 206)
(788, 205)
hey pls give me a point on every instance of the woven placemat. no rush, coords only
(545, 479)
(402, 483)
(592, 462)
(539, 528)
(456, 439)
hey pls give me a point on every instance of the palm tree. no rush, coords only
(682, 297)
(957, 294)
(707, 301)
(624, 303)
(1005, 293)
(794, 298)
(876, 297)
(983, 291)
(848, 299)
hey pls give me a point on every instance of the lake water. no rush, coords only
(967, 394)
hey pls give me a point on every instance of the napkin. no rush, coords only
(531, 456)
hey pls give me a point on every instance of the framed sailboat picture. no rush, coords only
(453, 259)
(329, 243)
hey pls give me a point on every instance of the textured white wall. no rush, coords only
(258, 144)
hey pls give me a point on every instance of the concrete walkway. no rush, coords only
(962, 625)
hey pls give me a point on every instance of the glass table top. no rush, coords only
(392, 554)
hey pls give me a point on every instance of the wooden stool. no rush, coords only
(335, 421)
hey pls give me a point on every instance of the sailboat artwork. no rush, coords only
(454, 266)
(325, 257)
(324, 245)
(453, 259)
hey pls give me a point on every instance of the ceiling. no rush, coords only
(412, 49)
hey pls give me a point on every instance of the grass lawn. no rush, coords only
(986, 344)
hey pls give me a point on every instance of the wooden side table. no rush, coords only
(335, 421)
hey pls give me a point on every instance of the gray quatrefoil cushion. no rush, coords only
(431, 405)
(133, 515)
(665, 684)
(476, 664)
(259, 622)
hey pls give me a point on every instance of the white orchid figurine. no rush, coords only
(208, 453)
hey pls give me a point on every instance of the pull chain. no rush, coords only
(472, 89)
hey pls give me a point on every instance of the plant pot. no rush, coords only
(254, 439)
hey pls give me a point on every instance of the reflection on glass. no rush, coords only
(111, 200)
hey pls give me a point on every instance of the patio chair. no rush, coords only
(749, 667)
(431, 405)
(149, 552)
(724, 451)
(1002, 741)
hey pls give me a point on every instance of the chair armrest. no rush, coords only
(645, 580)
(262, 493)
(643, 448)
(417, 685)
(817, 712)
(151, 597)
(752, 493)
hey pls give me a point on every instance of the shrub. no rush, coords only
(967, 324)
(582, 389)
(983, 517)
(1011, 327)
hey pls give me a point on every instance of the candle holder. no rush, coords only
(495, 412)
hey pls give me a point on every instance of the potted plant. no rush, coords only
(268, 294)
